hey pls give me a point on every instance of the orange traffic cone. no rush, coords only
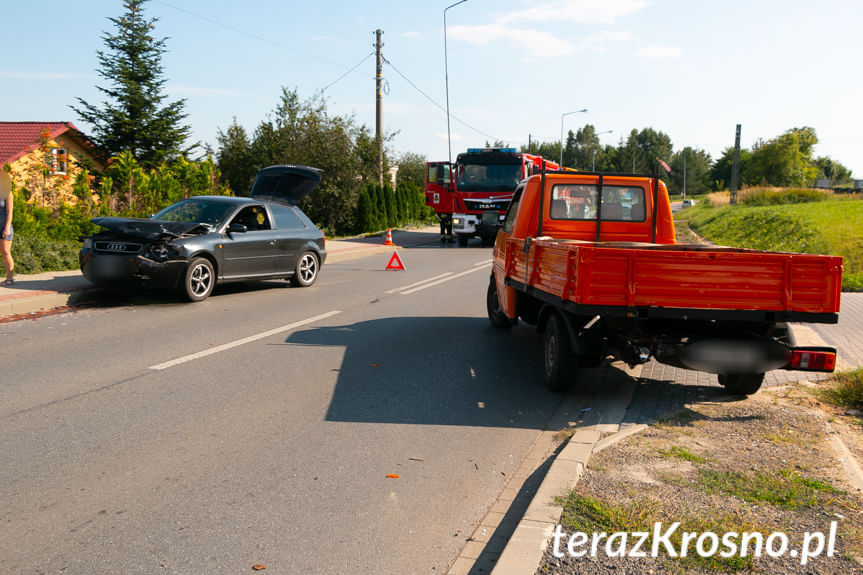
(389, 241)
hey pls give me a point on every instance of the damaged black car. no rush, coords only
(204, 240)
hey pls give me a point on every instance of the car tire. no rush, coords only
(558, 360)
(495, 315)
(738, 384)
(306, 271)
(199, 280)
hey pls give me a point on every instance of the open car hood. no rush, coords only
(288, 184)
(147, 229)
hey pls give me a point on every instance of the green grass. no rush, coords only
(845, 390)
(681, 453)
(589, 515)
(833, 226)
(787, 489)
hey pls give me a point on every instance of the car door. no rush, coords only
(292, 236)
(250, 244)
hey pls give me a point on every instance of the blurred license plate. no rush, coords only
(109, 267)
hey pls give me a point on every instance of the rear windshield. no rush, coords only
(579, 202)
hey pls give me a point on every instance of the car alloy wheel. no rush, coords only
(307, 270)
(199, 280)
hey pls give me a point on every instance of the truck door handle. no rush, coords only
(527, 242)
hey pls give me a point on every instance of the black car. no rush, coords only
(204, 240)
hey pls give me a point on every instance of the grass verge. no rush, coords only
(845, 390)
(833, 226)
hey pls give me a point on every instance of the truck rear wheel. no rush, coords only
(741, 384)
(558, 360)
(495, 315)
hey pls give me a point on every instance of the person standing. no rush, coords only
(6, 232)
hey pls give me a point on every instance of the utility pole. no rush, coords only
(735, 167)
(379, 135)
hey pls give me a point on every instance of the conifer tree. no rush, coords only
(136, 117)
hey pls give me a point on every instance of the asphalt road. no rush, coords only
(363, 425)
(266, 425)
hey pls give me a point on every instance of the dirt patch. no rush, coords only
(764, 465)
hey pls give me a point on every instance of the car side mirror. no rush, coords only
(237, 228)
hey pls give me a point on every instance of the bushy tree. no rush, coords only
(785, 160)
(136, 118)
(235, 159)
(695, 164)
(833, 171)
(412, 169)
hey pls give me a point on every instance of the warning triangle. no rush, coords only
(395, 262)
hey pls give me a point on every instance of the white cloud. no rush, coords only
(577, 11)
(655, 52)
(512, 27)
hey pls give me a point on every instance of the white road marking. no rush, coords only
(483, 263)
(479, 267)
(431, 279)
(245, 340)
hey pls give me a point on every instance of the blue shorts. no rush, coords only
(3, 221)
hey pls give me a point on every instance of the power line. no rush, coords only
(250, 35)
(430, 99)
(325, 88)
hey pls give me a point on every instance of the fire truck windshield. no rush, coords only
(479, 173)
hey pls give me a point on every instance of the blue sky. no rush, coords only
(692, 69)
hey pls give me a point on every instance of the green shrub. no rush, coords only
(791, 196)
(35, 254)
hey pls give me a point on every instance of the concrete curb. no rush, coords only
(601, 427)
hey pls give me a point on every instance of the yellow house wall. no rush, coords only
(51, 190)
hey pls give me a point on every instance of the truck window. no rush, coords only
(579, 202)
(513, 208)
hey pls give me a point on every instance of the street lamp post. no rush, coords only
(446, 81)
(562, 116)
(593, 165)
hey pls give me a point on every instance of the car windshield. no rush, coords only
(196, 210)
(479, 174)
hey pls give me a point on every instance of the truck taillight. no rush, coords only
(819, 359)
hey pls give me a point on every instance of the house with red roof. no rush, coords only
(44, 159)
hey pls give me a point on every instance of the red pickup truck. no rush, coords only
(592, 261)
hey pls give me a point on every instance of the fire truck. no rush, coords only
(473, 193)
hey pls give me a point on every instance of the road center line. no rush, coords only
(245, 340)
(431, 279)
(446, 279)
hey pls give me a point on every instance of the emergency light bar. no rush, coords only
(491, 150)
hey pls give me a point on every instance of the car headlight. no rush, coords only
(88, 243)
(456, 221)
(161, 252)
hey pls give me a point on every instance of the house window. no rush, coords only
(59, 161)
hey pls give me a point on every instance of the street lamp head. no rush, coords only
(562, 116)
